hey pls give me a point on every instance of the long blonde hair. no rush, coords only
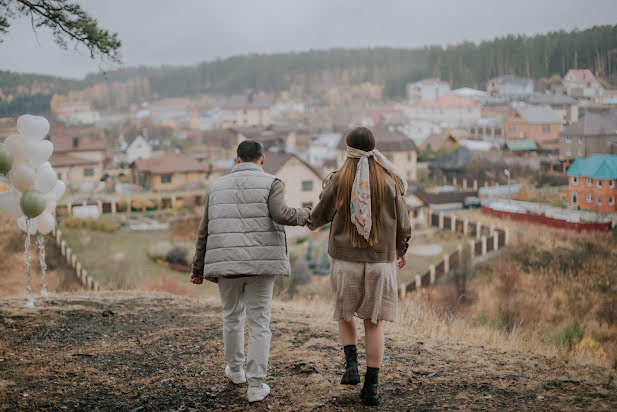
(361, 138)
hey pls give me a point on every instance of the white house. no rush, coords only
(510, 86)
(448, 111)
(418, 130)
(582, 83)
(135, 148)
(426, 90)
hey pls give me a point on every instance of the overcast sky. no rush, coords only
(182, 32)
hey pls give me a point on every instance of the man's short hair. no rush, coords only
(250, 151)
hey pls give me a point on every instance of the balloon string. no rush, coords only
(40, 241)
(30, 299)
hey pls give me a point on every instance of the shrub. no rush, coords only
(571, 335)
(160, 250)
(177, 255)
(101, 225)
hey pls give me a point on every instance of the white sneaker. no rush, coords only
(235, 377)
(258, 394)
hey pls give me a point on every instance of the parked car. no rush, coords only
(471, 202)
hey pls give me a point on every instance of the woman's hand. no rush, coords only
(402, 261)
(197, 279)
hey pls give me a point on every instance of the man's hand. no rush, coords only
(402, 261)
(197, 279)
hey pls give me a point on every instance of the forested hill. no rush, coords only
(317, 71)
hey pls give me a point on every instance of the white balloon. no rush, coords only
(32, 127)
(16, 143)
(9, 202)
(22, 176)
(58, 190)
(21, 223)
(38, 151)
(45, 223)
(45, 179)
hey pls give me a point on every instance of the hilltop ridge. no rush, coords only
(150, 351)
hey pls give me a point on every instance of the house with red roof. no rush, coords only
(581, 83)
(168, 170)
(447, 110)
(78, 161)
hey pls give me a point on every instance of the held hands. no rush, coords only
(402, 261)
(197, 279)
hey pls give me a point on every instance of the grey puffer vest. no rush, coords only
(242, 237)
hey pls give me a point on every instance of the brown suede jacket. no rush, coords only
(394, 237)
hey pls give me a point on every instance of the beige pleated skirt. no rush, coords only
(365, 290)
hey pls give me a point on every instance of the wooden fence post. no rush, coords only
(472, 244)
(402, 292)
(453, 223)
(440, 220)
(465, 226)
(99, 203)
(483, 245)
(446, 264)
(429, 217)
(464, 184)
(68, 208)
(431, 269)
(496, 241)
(113, 207)
(506, 237)
(418, 282)
(478, 230)
(454, 181)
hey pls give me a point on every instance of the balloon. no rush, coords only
(45, 179)
(9, 202)
(57, 191)
(15, 143)
(32, 203)
(22, 176)
(45, 223)
(32, 127)
(6, 159)
(38, 152)
(21, 223)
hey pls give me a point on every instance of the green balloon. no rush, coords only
(6, 159)
(32, 203)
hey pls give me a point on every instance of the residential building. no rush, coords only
(136, 147)
(78, 161)
(593, 133)
(395, 145)
(566, 107)
(77, 112)
(418, 129)
(246, 110)
(168, 170)
(592, 183)
(452, 163)
(447, 110)
(303, 182)
(538, 123)
(510, 86)
(426, 90)
(582, 83)
(270, 137)
(217, 145)
(521, 146)
(445, 141)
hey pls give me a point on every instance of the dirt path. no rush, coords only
(139, 351)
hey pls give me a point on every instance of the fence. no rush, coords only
(81, 273)
(487, 239)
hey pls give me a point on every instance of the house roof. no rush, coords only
(469, 92)
(388, 139)
(65, 159)
(551, 99)
(450, 100)
(276, 160)
(67, 144)
(582, 75)
(597, 166)
(169, 161)
(431, 80)
(515, 80)
(443, 198)
(535, 114)
(224, 138)
(454, 161)
(437, 140)
(247, 101)
(521, 145)
(592, 124)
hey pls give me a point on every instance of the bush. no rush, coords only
(160, 250)
(177, 255)
(101, 225)
(571, 335)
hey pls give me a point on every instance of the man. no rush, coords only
(241, 245)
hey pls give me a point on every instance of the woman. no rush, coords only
(370, 229)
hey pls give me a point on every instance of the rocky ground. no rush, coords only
(144, 351)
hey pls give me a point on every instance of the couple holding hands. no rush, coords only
(241, 245)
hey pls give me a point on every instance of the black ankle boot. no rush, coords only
(351, 375)
(368, 394)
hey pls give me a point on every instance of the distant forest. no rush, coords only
(314, 72)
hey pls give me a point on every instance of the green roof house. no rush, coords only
(592, 183)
